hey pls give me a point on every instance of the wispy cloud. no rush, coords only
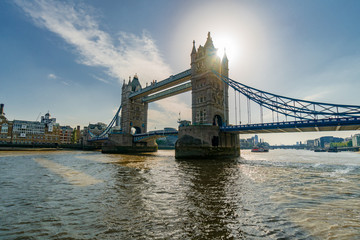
(167, 113)
(52, 76)
(101, 79)
(124, 56)
(59, 79)
(318, 96)
(65, 83)
(331, 81)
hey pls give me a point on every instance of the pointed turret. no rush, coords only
(224, 58)
(209, 42)
(193, 53)
(193, 49)
(225, 65)
(135, 84)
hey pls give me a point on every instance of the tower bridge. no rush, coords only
(210, 134)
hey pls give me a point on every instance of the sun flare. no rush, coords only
(226, 44)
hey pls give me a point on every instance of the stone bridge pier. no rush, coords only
(206, 142)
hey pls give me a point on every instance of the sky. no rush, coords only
(70, 58)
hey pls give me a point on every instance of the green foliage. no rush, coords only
(161, 141)
(341, 144)
(74, 136)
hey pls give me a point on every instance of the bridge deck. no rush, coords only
(336, 124)
(162, 85)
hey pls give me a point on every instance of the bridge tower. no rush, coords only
(133, 117)
(210, 109)
(210, 104)
(133, 112)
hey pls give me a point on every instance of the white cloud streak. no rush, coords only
(122, 57)
(65, 83)
(52, 76)
(101, 79)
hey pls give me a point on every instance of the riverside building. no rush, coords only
(33, 132)
(28, 132)
(356, 140)
(66, 133)
(5, 127)
(45, 132)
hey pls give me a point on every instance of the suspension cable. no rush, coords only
(249, 110)
(235, 108)
(239, 109)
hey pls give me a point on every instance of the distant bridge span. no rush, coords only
(154, 135)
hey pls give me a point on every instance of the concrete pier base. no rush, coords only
(204, 141)
(123, 143)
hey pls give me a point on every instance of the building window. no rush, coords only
(4, 128)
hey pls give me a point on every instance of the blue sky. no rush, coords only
(71, 57)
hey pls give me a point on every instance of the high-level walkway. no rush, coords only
(163, 89)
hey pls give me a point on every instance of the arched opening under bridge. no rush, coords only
(217, 121)
(135, 130)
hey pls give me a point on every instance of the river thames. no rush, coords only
(283, 194)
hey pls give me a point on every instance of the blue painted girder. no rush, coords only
(153, 134)
(331, 124)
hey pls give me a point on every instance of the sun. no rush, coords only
(226, 44)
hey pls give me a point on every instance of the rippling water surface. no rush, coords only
(283, 194)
